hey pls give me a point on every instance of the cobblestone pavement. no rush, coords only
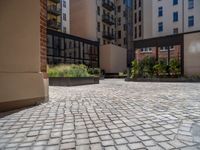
(112, 115)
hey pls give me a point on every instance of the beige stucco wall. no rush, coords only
(147, 19)
(20, 76)
(19, 30)
(83, 19)
(192, 54)
(113, 59)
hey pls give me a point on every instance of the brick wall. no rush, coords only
(175, 53)
(43, 37)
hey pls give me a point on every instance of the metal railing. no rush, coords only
(108, 35)
(54, 10)
(55, 1)
(107, 19)
(54, 24)
(108, 5)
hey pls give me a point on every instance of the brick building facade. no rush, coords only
(43, 36)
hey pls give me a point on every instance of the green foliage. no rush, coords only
(134, 69)
(94, 71)
(143, 68)
(149, 67)
(174, 66)
(160, 68)
(68, 71)
(123, 74)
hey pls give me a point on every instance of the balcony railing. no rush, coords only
(108, 5)
(54, 10)
(54, 24)
(55, 1)
(107, 19)
(108, 35)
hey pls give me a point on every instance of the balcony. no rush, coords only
(54, 24)
(55, 1)
(54, 10)
(108, 20)
(108, 5)
(108, 35)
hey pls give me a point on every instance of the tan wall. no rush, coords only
(113, 59)
(192, 54)
(83, 19)
(147, 19)
(19, 30)
(20, 76)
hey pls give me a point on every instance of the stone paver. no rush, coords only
(114, 115)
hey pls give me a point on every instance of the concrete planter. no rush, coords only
(163, 79)
(65, 81)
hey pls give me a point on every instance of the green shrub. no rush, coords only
(147, 66)
(94, 71)
(144, 68)
(123, 74)
(134, 69)
(68, 71)
(160, 69)
(174, 67)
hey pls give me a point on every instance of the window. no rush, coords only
(163, 48)
(98, 10)
(125, 41)
(135, 17)
(171, 47)
(64, 17)
(175, 16)
(190, 21)
(124, 27)
(99, 40)
(140, 3)
(98, 26)
(119, 8)
(135, 4)
(64, 4)
(190, 4)
(124, 1)
(160, 11)
(119, 21)
(124, 13)
(135, 32)
(140, 30)
(140, 15)
(175, 30)
(147, 49)
(175, 2)
(119, 34)
(64, 29)
(160, 27)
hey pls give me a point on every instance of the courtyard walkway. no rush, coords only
(112, 115)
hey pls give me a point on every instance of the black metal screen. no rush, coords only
(68, 49)
(166, 41)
